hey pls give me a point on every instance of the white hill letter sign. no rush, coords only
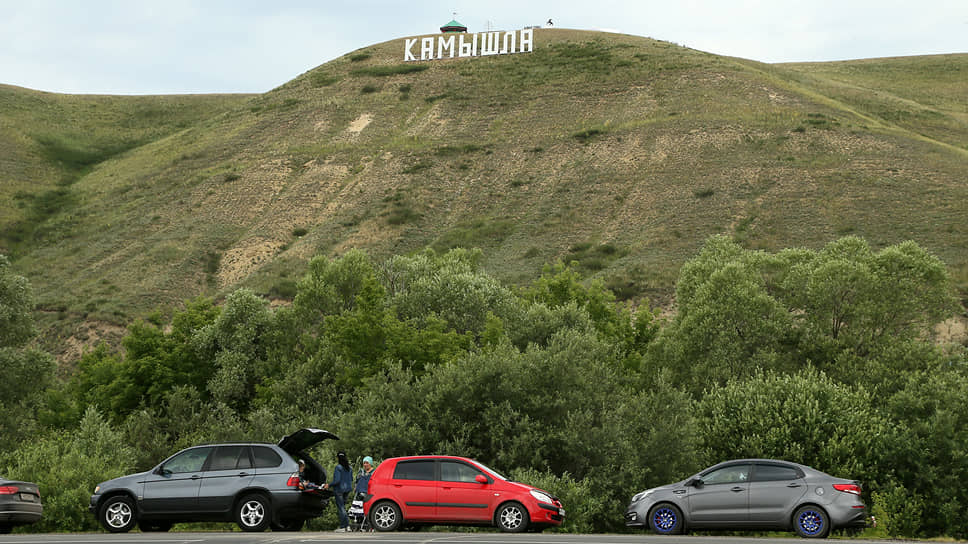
(469, 45)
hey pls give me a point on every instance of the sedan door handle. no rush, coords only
(243, 473)
(793, 485)
(196, 477)
(737, 489)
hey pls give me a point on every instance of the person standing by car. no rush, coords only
(363, 478)
(341, 485)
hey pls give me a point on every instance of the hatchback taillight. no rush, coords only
(293, 480)
(848, 488)
(9, 489)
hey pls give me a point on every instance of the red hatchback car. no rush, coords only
(444, 490)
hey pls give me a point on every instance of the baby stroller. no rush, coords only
(358, 521)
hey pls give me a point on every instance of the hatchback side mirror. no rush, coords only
(694, 482)
(481, 479)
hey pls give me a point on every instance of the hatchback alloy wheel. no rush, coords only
(386, 517)
(512, 518)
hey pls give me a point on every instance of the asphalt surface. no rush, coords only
(421, 537)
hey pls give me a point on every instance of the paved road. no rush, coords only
(423, 537)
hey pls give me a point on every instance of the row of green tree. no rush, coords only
(821, 357)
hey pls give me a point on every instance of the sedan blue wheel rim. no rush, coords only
(811, 522)
(665, 519)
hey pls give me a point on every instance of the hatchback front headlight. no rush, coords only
(542, 497)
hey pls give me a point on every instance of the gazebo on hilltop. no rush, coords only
(453, 26)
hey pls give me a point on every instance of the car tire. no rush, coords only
(154, 526)
(253, 513)
(512, 517)
(291, 525)
(665, 519)
(811, 522)
(386, 516)
(117, 514)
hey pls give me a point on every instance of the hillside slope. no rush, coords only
(619, 152)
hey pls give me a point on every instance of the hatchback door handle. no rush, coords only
(737, 489)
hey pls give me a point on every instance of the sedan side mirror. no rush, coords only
(694, 482)
(480, 478)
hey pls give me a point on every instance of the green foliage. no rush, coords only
(560, 285)
(386, 71)
(322, 79)
(449, 287)
(154, 362)
(16, 305)
(841, 308)
(474, 233)
(899, 511)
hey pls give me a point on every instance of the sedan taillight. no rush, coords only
(853, 489)
(9, 490)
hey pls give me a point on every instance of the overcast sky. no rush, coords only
(211, 46)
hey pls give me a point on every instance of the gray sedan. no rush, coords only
(752, 494)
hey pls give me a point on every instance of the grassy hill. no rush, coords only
(619, 152)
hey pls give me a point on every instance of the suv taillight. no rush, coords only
(293, 480)
(848, 488)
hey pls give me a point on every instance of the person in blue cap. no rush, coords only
(363, 478)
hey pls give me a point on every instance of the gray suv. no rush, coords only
(254, 484)
(752, 494)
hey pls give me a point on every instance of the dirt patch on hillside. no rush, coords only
(241, 260)
(86, 336)
(952, 331)
(359, 124)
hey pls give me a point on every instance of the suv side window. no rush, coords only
(190, 460)
(414, 470)
(773, 473)
(229, 458)
(454, 471)
(265, 457)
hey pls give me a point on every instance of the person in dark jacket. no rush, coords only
(341, 485)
